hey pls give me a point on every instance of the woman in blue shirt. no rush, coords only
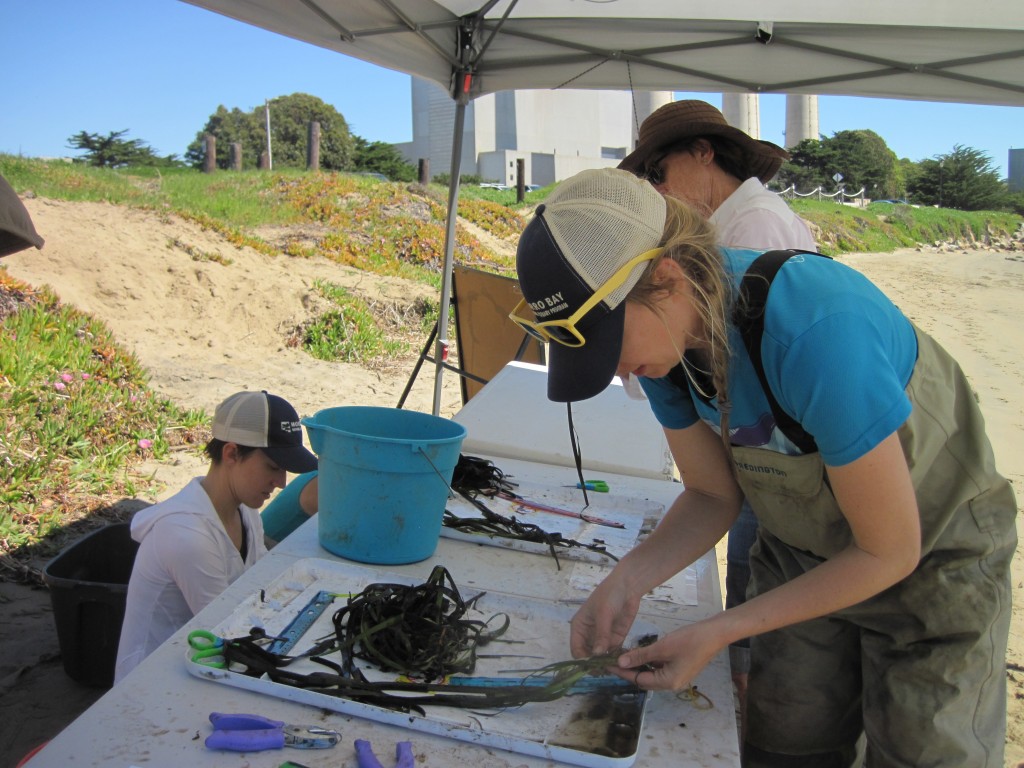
(880, 576)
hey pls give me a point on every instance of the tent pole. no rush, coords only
(441, 348)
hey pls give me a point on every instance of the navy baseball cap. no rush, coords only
(264, 421)
(589, 228)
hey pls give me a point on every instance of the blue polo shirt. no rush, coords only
(837, 354)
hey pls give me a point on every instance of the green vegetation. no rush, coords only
(290, 117)
(78, 414)
(861, 157)
(965, 178)
(381, 157)
(114, 151)
(349, 333)
(884, 227)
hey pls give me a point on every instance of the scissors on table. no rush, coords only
(253, 733)
(209, 649)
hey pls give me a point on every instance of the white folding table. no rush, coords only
(157, 715)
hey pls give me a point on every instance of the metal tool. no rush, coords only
(253, 733)
(303, 621)
(592, 485)
(209, 649)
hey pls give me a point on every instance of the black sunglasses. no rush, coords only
(653, 172)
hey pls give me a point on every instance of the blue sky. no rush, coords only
(160, 68)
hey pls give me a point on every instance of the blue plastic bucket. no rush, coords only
(384, 480)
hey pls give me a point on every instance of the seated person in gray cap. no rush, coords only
(196, 543)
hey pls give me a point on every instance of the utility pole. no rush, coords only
(270, 158)
(942, 164)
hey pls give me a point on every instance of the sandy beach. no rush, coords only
(205, 329)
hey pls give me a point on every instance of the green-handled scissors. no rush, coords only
(209, 649)
(592, 485)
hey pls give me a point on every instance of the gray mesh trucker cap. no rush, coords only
(587, 229)
(264, 421)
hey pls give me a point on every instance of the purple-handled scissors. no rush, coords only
(252, 733)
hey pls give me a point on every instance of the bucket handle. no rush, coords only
(451, 492)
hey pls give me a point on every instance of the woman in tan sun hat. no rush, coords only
(688, 151)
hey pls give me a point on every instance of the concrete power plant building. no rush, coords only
(558, 133)
(1015, 179)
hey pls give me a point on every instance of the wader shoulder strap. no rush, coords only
(749, 319)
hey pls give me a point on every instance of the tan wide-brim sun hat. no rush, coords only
(678, 121)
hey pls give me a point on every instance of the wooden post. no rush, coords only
(520, 180)
(424, 171)
(313, 147)
(264, 161)
(210, 160)
(236, 156)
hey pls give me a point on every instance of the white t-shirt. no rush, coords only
(185, 559)
(756, 218)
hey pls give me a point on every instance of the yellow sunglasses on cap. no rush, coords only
(564, 331)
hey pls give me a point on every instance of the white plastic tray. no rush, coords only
(573, 729)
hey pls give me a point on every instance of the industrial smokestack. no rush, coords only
(801, 119)
(743, 111)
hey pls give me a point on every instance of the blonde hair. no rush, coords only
(689, 240)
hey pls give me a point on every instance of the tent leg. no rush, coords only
(449, 249)
(424, 355)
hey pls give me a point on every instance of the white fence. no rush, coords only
(840, 195)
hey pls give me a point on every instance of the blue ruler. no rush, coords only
(303, 621)
(589, 684)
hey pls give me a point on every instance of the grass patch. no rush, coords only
(353, 331)
(885, 227)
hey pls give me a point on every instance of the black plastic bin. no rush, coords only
(88, 588)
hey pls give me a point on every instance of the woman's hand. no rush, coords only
(699, 517)
(602, 623)
(671, 663)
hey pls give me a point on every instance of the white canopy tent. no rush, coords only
(935, 50)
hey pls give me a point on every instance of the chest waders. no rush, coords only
(919, 668)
